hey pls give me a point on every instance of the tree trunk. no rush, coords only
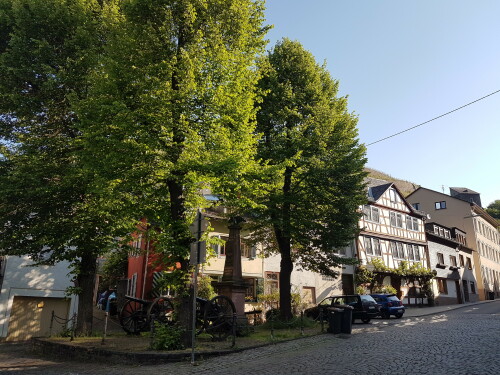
(284, 242)
(285, 282)
(86, 281)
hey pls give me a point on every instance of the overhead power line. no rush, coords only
(435, 118)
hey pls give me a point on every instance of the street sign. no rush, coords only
(198, 253)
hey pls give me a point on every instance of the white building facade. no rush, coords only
(28, 296)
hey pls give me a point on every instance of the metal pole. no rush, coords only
(195, 286)
(51, 323)
(105, 328)
(234, 330)
(193, 325)
(73, 328)
(302, 323)
(321, 320)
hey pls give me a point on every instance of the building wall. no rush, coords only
(479, 231)
(21, 280)
(488, 246)
(452, 295)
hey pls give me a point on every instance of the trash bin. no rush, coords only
(334, 319)
(491, 295)
(346, 324)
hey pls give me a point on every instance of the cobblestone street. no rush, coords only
(462, 341)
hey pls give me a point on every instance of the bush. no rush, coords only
(385, 289)
(272, 314)
(167, 337)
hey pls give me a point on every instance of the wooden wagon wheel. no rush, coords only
(161, 310)
(219, 317)
(133, 318)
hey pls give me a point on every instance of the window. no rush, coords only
(393, 195)
(411, 253)
(417, 252)
(376, 246)
(440, 258)
(394, 249)
(462, 263)
(250, 294)
(132, 285)
(272, 283)
(368, 246)
(472, 287)
(440, 205)
(371, 213)
(416, 206)
(453, 260)
(248, 250)
(400, 250)
(372, 246)
(396, 220)
(220, 249)
(411, 223)
(442, 287)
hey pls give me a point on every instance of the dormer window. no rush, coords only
(440, 205)
(393, 195)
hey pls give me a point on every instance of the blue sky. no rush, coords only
(405, 62)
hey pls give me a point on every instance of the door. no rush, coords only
(466, 291)
(459, 293)
(31, 317)
(309, 295)
(347, 284)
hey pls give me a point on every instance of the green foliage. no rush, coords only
(361, 290)
(272, 314)
(494, 209)
(363, 276)
(115, 266)
(49, 209)
(117, 110)
(384, 289)
(269, 300)
(167, 337)
(310, 142)
(379, 265)
(205, 288)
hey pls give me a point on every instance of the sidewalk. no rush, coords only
(426, 310)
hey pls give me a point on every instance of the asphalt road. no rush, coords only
(462, 341)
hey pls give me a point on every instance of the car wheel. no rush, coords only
(398, 315)
(365, 320)
(386, 315)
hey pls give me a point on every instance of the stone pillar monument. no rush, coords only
(232, 284)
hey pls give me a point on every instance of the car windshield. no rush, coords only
(326, 302)
(367, 298)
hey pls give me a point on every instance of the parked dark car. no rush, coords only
(364, 307)
(389, 305)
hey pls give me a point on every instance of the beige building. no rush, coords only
(461, 209)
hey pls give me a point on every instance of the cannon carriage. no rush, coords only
(215, 316)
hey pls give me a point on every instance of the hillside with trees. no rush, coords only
(406, 187)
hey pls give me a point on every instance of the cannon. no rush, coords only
(214, 316)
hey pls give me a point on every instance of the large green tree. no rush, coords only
(494, 209)
(310, 136)
(48, 209)
(171, 112)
